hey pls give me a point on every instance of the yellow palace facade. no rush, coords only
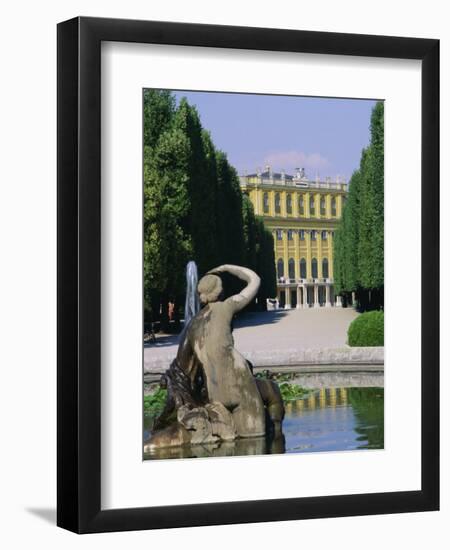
(302, 215)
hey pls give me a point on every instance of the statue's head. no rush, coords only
(209, 288)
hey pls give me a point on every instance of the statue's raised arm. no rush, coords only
(239, 301)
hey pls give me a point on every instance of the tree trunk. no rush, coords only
(165, 312)
(176, 314)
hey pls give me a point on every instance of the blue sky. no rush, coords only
(325, 136)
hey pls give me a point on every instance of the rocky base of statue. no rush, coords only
(188, 420)
(196, 426)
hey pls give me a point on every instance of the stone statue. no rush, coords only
(212, 395)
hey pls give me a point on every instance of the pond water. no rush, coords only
(330, 419)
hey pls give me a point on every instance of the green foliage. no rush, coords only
(159, 107)
(201, 185)
(259, 251)
(289, 391)
(250, 232)
(365, 215)
(167, 245)
(154, 403)
(367, 330)
(338, 260)
(267, 374)
(351, 233)
(359, 238)
(377, 144)
(230, 224)
(165, 198)
(265, 263)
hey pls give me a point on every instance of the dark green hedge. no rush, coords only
(367, 330)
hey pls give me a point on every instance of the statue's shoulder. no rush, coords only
(223, 309)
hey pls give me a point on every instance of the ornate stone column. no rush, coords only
(287, 293)
(296, 256)
(328, 206)
(306, 205)
(285, 254)
(330, 255)
(339, 206)
(316, 296)
(283, 204)
(319, 254)
(271, 202)
(327, 294)
(308, 254)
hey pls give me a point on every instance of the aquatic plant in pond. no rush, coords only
(154, 402)
(289, 391)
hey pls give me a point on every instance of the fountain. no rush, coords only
(191, 304)
(212, 395)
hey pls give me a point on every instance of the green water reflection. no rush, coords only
(330, 419)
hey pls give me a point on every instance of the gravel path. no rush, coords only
(271, 334)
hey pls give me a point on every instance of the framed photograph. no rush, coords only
(248, 259)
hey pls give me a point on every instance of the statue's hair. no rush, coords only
(209, 288)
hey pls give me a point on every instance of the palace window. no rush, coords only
(301, 205)
(290, 234)
(333, 206)
(303, 268)
(301, 234)
(313, 234)
(325, 268)
(291, 268)
(279, 234)
(277, 203)
(280, 268)
(312, 207)
(266, 203)
(324, 235)
(314, 268)
(322, 206)
(289, 204)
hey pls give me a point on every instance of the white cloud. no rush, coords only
(289, 160)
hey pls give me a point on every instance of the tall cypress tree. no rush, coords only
(167, 245)
(366, 221)
(159, 108)
(250, 232)
(265, 264)
(338, 260)
(359, 239)
(259, 252)
(377, 144)
(352, 233)
(229, 199)
(201, 185)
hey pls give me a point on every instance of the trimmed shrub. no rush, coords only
(367, 330)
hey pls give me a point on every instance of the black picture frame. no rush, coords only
(79, 281)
